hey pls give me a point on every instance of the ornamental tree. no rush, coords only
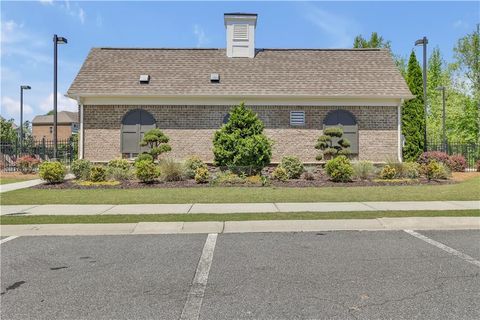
(240, 144)
(331, 144)
(157, 141)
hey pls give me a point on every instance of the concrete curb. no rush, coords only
(381, 224)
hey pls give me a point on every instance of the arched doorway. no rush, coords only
(347, 121)
(134, 125)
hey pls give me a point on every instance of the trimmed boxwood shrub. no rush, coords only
(339, 169)
(98, 174)
(144, 157)
(280, 174)
(81, 169)
(192, 164)
(146, 171)
(52, 171)
(293, 166)
(119, 163)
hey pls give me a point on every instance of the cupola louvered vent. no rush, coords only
(240, 32)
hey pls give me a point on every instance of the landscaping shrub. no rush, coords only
(438, 156)
(478, 165)
(293, 165)
(171, 170)
(202, 175)
(256, 179)
(144, 157)
(363, 170)
(157, 141)
(192, 164)
(228, 177)
(81, 168)
(52, 171)
(280, 174)
(119, 174)
(119, 163)
(411, 170)
(339, 169)
(27, 164)
(388, 172)
(240, 144)
(457, 163)
(146, 171)
(436, 170)
(308, 175)
(98, 174)
(332, 144)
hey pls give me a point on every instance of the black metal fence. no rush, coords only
(43, 150)
(471, 151)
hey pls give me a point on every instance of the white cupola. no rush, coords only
(240, 34)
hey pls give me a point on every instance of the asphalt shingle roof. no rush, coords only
(308, 72)
(62, 117)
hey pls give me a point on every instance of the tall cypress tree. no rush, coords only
(413, 116)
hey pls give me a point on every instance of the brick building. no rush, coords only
(187, 93)
(67, 124)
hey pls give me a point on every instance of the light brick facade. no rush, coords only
(191, 130)
(40, 131)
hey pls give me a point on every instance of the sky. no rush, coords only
(27, 29)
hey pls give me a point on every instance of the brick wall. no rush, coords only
(191, 130)
(64, 131)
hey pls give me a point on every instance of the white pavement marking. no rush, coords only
(437, 244)
(192, 307)
(8, 239)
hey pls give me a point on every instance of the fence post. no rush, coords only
(70, 150)
(43, 149)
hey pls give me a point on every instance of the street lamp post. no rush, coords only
(444, 136)
(56, 40)
(24, 87)
(423, 42)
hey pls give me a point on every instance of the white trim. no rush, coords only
(251, 100)
(399, 129)
(80, 134)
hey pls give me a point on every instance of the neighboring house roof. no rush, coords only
(62, 117)
(305, 72)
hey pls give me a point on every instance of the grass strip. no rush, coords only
(134, 218)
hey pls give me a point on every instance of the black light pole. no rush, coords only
(423, 42)
(444, 136)
(21, 114)
(56, 40)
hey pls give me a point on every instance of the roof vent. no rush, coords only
(214, 77)
(144, 78)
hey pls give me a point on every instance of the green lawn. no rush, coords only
(467, 190)
(13, 180)
(134, 218)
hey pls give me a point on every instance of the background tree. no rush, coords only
(7, 132)
(413, 122)
(467, 58)
(375, 41)
(240, 144)
(157, 141)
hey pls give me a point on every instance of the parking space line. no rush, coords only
(192, 307)
(437, 244)
(8, 239)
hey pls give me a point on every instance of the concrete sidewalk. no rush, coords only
(227, 208)
(416, 223)
(20, 185)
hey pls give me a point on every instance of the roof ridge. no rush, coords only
(258, 49)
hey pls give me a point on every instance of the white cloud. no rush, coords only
(50, 2)
(74, 10)
(81, 15)
(63, 103)
(338, 28)
(11, 108)
(199, 33)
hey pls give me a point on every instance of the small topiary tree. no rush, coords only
(157, 141)
(241, 144)
(331, 144)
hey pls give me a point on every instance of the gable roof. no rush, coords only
(303, 72)
(62, 117)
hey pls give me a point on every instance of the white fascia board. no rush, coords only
(287, 100)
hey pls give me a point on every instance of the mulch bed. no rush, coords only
(298, 183)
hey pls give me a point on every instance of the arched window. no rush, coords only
(346, 120)
(134, 125)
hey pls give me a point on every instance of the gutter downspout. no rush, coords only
(399, 128)
(80, 131)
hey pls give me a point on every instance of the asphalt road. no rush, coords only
(327, 275)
